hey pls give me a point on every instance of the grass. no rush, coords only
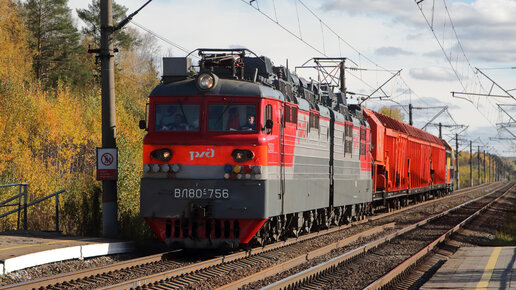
(506, 236)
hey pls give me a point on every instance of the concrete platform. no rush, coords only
(19, 250)
(477, 268)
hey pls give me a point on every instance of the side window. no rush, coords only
(314, 120)
(267, 115)
(144, 124)
(348, 143)
(362, 141)
(291, 114)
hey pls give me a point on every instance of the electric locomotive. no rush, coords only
(242, 149)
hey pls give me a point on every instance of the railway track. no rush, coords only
(180, 272)
(391, 257)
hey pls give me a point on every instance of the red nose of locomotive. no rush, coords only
(202, 195)
(204, 167)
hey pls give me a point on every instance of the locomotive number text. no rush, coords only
(198, 193)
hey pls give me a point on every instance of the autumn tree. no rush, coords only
(15, 56)
(392, 112)
(55, 41)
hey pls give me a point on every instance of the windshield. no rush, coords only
(232, 117)
(177, 118)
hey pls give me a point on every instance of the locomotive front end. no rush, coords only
(204, 162)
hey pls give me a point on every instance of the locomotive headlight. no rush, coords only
(206, 81)
(242, 155)
(162, 154)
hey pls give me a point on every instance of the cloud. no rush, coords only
(433, 74)
(391, 51)
(395, 8)
(485, 27)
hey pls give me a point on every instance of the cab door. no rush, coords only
(274, 134)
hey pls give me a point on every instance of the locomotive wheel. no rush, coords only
(321, 219)
(337, 215)
(308, 221)
(277, 228)
(296, 223)
(360, 212)
(346, 218)
(326, 218)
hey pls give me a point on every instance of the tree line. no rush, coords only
(50, 111)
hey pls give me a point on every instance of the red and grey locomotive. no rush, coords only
(242, 150)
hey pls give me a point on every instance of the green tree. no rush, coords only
(55, 41)
(91, 17)
(392, 112)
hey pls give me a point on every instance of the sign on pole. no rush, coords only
(107, 164)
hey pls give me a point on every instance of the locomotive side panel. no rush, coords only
(272, 110)
(307, 185)
(352, 169)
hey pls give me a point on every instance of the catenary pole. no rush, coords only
(485, 166)
(478, 163)
(109, 187)
(457, 161)
(410, 114)
(489, 169)
(107, 74)
(470, 164)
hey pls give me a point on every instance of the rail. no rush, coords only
(23, 206)
(297, 280)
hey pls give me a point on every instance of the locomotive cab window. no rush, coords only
(267, 117)
(231, 117)
(177, 117)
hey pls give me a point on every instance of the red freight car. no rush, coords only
(407, 160)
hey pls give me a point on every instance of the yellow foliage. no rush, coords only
(48, 138)
(392, 112)
(15, 58)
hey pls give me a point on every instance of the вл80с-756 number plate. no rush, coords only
(201, 193)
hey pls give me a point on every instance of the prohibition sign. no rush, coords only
(106, 159)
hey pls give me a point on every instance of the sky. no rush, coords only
(438, 46)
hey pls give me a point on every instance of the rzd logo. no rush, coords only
(210, 153)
